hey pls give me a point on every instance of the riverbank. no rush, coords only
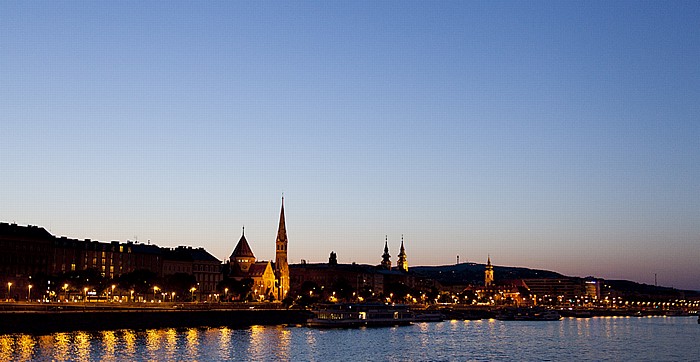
(75, 319)
(45, 318)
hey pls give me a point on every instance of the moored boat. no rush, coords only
(360, 314)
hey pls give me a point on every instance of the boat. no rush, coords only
(347, 315)
(528, 314)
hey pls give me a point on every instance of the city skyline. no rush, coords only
(558, 136)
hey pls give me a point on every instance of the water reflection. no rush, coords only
(170, 342)
(109, 341)
(129, 342)
(5, 347)
(61, 345)
(192, 342)
(81, 346)
(225, 349)
(569, 339)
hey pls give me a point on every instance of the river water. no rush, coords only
(593, 339)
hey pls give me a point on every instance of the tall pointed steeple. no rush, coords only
(386, 257)
(488, 273)
(402, 263)
(281, 265)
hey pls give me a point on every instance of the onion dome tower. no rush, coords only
(402, 263)
(386, 257)
(488, 273)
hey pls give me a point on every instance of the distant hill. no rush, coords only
(472, 273)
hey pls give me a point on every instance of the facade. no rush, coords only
(546, 289)
(176, 261)
(206, 270)
(110, 259)
(357, 276)
(24, 250)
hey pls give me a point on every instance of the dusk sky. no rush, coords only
(558, 135)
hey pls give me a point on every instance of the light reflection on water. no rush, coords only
(657, 339)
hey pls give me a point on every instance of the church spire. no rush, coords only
(281, 265)
(402, 263)
(488, 273)
(386, 257)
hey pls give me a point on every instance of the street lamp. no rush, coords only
(29, 294)
(225, 294)
(132, 295)
(172, 297)
(65, 291)
(192, 291)
(9, 290)
(113, 286)
(85, 291)
(155, 289)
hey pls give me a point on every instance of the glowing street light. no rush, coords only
(113, 286)
(65, 291)
(225, 293)
(9, 290)
(85, 291)
(172, 297)
(192, 291)
(155, 289)
(29, 294)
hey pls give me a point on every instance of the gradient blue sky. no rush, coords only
(560, 135)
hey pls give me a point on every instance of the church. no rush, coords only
(270, 280)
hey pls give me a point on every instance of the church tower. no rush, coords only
(281, 265)
(386, 257)
(488, 273)
(242, 257)
(402, 263)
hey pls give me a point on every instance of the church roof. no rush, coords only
(258, 269)
(242, 249)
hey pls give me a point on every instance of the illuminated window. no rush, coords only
(72, 267)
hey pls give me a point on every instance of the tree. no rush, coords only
(343, 289)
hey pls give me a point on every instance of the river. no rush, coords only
(592, 339)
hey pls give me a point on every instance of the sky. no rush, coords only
(558, 135)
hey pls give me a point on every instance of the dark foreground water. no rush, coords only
(615, 339)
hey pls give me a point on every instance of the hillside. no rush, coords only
(472, 273)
